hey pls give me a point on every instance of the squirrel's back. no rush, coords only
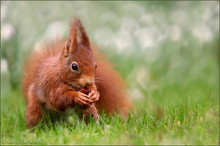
(39, 56)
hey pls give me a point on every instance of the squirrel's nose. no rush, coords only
(88, 83)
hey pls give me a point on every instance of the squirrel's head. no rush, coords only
(78, 65)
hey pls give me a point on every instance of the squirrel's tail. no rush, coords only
(113, 98)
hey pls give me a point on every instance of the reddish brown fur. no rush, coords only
(48, 80)
(113, 97)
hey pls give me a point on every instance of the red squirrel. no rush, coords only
(67, 74)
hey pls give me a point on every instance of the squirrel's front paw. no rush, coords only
(94, 96)
(83, 99)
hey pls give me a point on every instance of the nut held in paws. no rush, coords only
(85, 90)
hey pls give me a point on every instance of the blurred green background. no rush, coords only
(168, 52)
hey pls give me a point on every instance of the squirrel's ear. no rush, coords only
(84, 38)
(71, 44)
(66, 49)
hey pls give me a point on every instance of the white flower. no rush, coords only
(4, 66)
(123, 41)
(103, 36)
(7, 31)
(55, 30)
(202, 32)
(147, 19)
(148, 37)
(175, 33)
(129, 24)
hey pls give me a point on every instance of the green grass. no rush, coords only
(184, 123)
(180, 105)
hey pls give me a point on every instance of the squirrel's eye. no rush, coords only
(74, 66)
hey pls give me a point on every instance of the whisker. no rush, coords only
(99, 80)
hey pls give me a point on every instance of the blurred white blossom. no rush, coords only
(4, 66)
(147, 18)
(175, 33)
(7, 31)
(136, 94)
(129, 24)
(123, 41)
(56, 30)
(180, 17)
(202, 32)
(148, 37)
(103, 36)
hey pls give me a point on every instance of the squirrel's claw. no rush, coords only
(94, 96)
(83, 99)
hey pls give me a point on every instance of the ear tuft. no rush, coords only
(82, 36)
(66, 49)
(72, 42)
(73, 35)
